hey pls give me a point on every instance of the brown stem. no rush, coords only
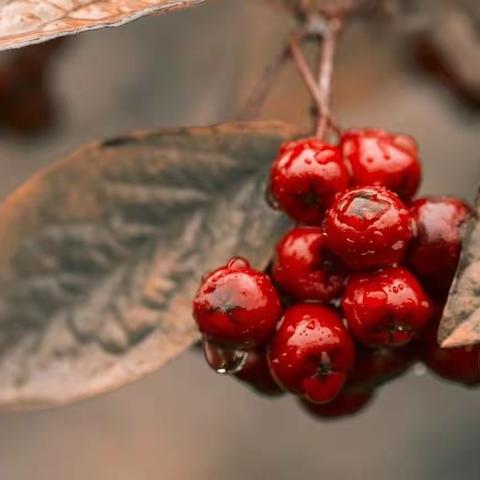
(256, 100)
(325, 75)
(305, 71)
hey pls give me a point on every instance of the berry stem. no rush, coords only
(305, 71)
(257, 97)
(325, 74)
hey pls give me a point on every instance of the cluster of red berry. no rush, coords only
(355, 290)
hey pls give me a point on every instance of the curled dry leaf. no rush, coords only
(102, 252)
(460, 325)
(23, 22)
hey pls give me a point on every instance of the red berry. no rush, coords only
(302, 267)
(459, 364)
(349, 402)
(377, 157)
(376, 366)
(311, 352)
(237, 306)
(368, 228)
(310, 142)
(256, 373)
(435, 249)
(305, 177)
(386, 308)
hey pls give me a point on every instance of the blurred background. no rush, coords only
(197, 67)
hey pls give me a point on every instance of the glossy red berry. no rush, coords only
(349, 402)
(368, 227)
(434, 252)
(309, 142)
(311, 352)
(255, 372)
(459, 364)
(375, 366)
(305, 177)
(386, 308)
(303, 268)
(237, 306)
(377, 157)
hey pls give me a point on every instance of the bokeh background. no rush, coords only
(184, 422)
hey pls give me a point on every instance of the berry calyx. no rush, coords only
(303, 269)
(386, 308)
(237, 306)
(311, 352)
(368, 228)
(378, 157)
(305, 177)
(434, 252)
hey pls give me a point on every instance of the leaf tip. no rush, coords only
(466, 334)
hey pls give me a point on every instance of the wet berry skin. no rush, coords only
(386, 308)
(311, 352)
(378, 157)
(303, 269)
(376, 366)
(237, 306)
(256, 374)
(368, 228)
(349, 402)
(434, 252)
(305, 177)
(310, 142)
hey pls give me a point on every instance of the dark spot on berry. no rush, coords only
(365, 206)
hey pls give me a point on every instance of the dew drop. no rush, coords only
(224, 361)
(238, 263)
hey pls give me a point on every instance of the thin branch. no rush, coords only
(305, 72)
(258, 96)
(325, 75)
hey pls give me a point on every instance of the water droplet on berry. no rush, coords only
(238, 263)
(225, 361)
(271, 200)
(375, 299)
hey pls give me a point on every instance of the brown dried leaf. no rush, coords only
(460, 325)
(102, 252)
(24, 22)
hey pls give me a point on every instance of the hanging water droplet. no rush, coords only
(224, 361)
(271, 200)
